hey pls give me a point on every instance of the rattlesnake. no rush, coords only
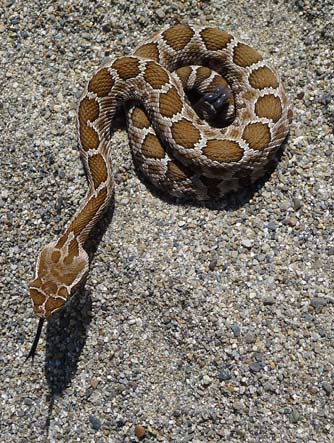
(179, 152)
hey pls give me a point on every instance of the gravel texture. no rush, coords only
(198, 323)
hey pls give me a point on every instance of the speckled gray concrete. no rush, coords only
(202, 324)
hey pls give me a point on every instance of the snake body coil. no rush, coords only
(176, 150)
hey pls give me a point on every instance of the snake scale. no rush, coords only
(178, 151)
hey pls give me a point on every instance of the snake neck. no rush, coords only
(87, 215)
(63, 264)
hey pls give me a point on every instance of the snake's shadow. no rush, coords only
(231, 201)
(66, 332)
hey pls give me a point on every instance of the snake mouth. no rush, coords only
(38, 300)
(39, 312)
(44, 304)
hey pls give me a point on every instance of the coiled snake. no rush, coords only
(179, 152)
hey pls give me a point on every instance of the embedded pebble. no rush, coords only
(140, 431)
(250, 338)
(297, 203)
(236, 330)
(237, 405)
(256, 366)
(94, 382)
(224, 375)
(295, 416)
(247, 243)
(197, 322)
(95, 422)
(318, 302)
(206, 380)
(268, 301)
(327, 387)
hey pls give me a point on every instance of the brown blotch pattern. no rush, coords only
(223, 151)
(183, 74)
(244, 55)
(269, 106)
(149, 51)
(174, 172)
(55, 256)
(62, 292)
(88, 212)
(68, 259)
(37, 297)
(126, 67)
(98, 168)
(152, 148)
(263, 78)
(88, 110)
(101, 83)
(88, 137)
(218, 82)
(43, 262)
(49, 287)
(290, 115)
(215, 39)
(73, 247)
(155, 75)
(185, 133)
(178, 36)
(257, 135)
(140, 119)
(249, 95)
(245, 114)
(60, 243)
(170, 103)
(36, 282)
(202, 74)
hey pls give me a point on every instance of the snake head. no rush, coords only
(61, 267)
